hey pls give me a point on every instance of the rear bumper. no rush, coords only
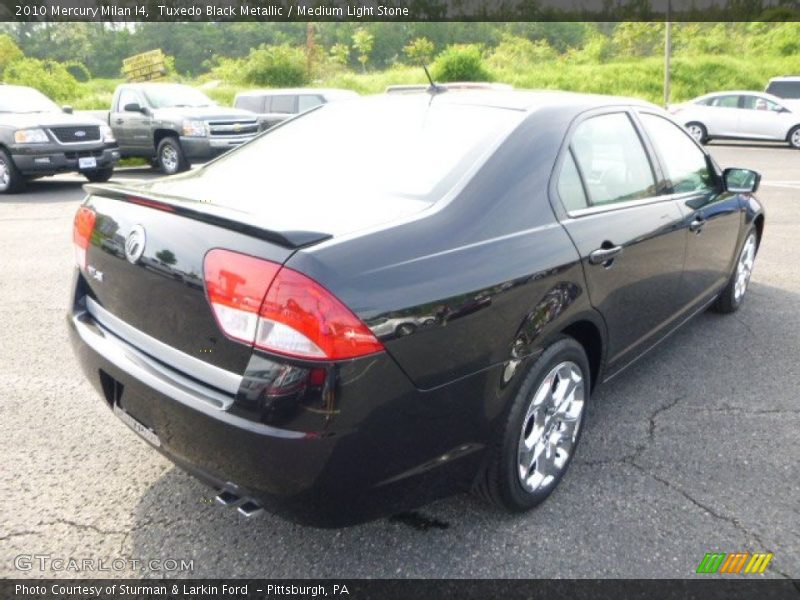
(202, 148)
(51, 159)
(379, 447)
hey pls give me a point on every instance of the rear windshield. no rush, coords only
(356, 152)
(785, 89)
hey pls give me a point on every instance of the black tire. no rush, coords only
(698, 131)
(731, 298)
(794, 138)
(499, 482)
(170, 156)
(99, 175)
(11, 180)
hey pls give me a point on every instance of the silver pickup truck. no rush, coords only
(174, 125)
(37, 138)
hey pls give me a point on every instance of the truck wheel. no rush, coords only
(99, 175)
(170, 156)
(11, 180)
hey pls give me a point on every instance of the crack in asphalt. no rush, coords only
(632, 457)
(13, 534)
(735, 410)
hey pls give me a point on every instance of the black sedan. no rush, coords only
(387, 300)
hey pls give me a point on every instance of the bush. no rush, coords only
(518, 54)
(49, 77)
(460, 63)
(276, 66)
(78, 71)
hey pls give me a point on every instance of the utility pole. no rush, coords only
(667, 52)
(310, 43)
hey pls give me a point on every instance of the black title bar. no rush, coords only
(406, 589)
(398, 10)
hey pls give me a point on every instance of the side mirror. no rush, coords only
(741, 181)
(67, 109)
(134, 107)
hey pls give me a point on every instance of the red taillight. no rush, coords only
(280, 310)
(236, 285)
(82, 233)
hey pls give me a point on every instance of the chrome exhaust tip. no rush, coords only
(249, 509)
(227, 498)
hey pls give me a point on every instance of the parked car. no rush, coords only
(275, 106)
(740, 115)
(545, 241)
(37, 138)
(175, 125)
(787, 88)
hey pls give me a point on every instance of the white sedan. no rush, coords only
(740, 115)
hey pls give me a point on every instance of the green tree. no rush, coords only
(419, 50)
(9, 52)
(363, 42)
(49, 77)
(340, 54)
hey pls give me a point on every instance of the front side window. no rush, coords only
(685, 164)
(283, 104)
(759, 103)
(613, 160)
(251, 103)
(127, 97)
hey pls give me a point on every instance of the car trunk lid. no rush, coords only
(156, 285)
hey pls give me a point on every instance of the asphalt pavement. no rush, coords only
(694, 449)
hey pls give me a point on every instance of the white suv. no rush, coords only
(787, 88)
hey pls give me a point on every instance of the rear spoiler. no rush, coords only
(208, 213)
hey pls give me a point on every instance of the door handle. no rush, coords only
(603, 255)
(697, 225)
(120, 121)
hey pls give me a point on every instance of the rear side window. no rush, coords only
(684, 162)
(253, 103)
(725, 101)
(570, 188)
(306, 102)
(613, 160)
(785, 89)
(283, 104)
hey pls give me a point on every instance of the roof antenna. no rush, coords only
(434, 88)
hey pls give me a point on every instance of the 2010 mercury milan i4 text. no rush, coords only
(534, 243)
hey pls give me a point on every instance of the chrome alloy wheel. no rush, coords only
(5, 175)
(744, 268)
(695, 131)
(550, 427)
(795, 139)
(169, 158)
